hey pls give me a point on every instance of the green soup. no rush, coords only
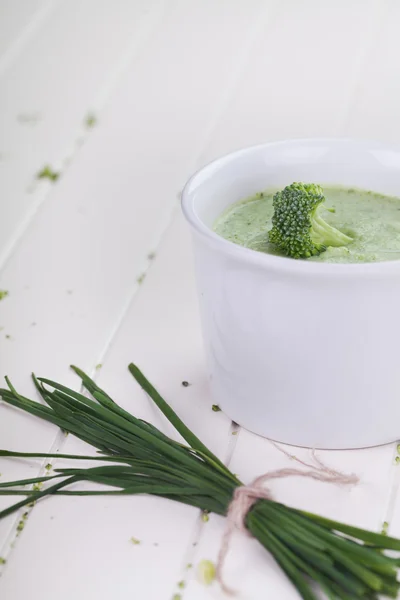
(372, 220)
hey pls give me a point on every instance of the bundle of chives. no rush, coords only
(345, 562)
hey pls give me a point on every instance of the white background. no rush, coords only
(173, 84)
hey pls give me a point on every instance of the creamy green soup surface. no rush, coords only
(371, 219)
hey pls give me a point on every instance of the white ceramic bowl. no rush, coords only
(300, 352)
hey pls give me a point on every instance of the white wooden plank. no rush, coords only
(162, 334)
(375, 108)
(76, 268)
(18, 20)
(300, 80)
(65, 71)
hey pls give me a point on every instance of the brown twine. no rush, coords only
(244, 497)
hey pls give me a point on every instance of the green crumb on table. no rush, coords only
(98, 366)
(397, 460)
(176, 597)
(3, 294)
(48, 467)
(181, 585)
(205, 516)
(185, 383)
(216, 408)
(235, 432)
(398, 448)
(189, 566)
(37, 486)
(48, 173)
(151, 255)
(20, 526)
(141, 278)
(134, 541)
(30, 118)
(206, 572)
(90, 121)
(8, 336)
(2, 561)
(385, 527)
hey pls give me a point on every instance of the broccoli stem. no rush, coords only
(322, 233)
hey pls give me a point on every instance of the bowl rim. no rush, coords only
(270, 261)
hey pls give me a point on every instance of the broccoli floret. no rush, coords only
(298, 228)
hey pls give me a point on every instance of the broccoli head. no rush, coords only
(298, 228)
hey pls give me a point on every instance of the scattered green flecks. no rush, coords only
(235, 432)
(176, 597)
(29, 118)
(397, 457)
(185, 383)
(205, 517)
(21, 523)
(90, 121)
(385, 528)
(37, 486)
(2, 561)
(151, 255)
(8, 336)
(48, 467)
(206, 572)
(189, 566)
(134, 541)
(48, 173)
(181, 584)
(216, 408)
(98, 366)
(3, 294)
(141, 278)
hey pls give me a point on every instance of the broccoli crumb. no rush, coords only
(235, 432)
(216, 408)
(205, 516)
(48, 173)
(385, 527)
(8, 336)
(398, 448)
(141, 278)
(20, 526)
(37, 486)
(29, 118)
(3, 294)
(151, 255)
(2, 561)
(90, 121)
(397, 460)
(176, 597)
(48, 467)
(98, 366)
(189, 566)
(181, 585)
(134, 541)
(185, 383)
(206, 572)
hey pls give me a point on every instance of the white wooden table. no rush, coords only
(124, 99)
